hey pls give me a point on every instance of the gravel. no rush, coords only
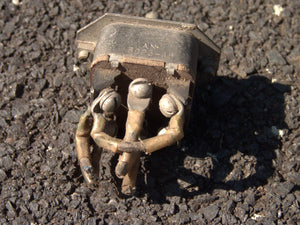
(239, 160)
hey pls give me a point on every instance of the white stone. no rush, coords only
(75, 68)
(277, 10)
(152, 15)
(15, 2)
(268, 70)
(281, 133)
(256, 216)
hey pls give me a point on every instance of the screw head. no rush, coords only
(167, 106)
(140, 88)
(109, 101)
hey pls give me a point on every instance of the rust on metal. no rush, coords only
(101, 58)
(145, 62)
(181, 67)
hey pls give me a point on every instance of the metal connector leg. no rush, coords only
(129, 181)
(82, 140)
(129, 162)
(138, 100)
(134, 126)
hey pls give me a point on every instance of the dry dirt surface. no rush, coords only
(239, 162)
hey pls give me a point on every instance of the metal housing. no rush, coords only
(173, 56)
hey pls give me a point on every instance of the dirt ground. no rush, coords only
(239, 161)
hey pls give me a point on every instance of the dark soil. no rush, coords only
(239, 162)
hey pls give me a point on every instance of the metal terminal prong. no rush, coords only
(139, 96)
(82, 147)
(108, 101)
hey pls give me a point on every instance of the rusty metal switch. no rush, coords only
(142, 75)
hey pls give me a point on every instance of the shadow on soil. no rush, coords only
(230, 143)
